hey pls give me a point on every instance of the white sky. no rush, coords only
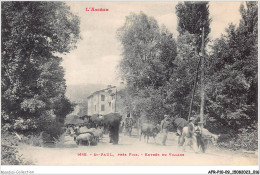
(98, 53)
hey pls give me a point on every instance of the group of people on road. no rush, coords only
(189, 132)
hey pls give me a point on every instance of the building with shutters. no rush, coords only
(103, 101)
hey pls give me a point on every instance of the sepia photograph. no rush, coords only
(129, 83)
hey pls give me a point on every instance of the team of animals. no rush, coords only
(92, 130)
(91, 136)
(190, 133)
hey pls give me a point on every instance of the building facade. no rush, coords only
(103, 101)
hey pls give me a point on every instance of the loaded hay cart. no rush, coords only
(112, 122)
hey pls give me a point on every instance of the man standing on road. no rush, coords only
(188, 136)
(165, 123)
(128, 125)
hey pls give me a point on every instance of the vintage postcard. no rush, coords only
(130, 83)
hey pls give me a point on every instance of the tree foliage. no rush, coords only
(232, 74)
(180, 86)
(192, 17)
(160, 71)
(147, 64)
(148, 52)
(33, 84)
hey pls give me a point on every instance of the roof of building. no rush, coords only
(102, 90)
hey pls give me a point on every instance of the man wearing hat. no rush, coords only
(188, 136)
(128, 124)
(201, 142)
(191, 126)
(165, 123)
(191, 132)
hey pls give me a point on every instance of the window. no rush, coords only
(95, 108)
(102, 97)
(102, 107)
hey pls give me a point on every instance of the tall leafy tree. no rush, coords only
(33, 84)
(148, 52)
(233, 73)
(180, 86)
(192, 17)
(147, 63)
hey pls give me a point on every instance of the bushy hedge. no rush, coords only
(9, 151)
(246, 139)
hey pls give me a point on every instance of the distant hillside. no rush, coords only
(79, 93)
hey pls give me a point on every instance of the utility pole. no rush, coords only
(194, 89)
(115, 99)
(98, 102)
(202, 79)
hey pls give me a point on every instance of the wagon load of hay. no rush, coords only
(112, 122)
(112, 118)
(97, 119)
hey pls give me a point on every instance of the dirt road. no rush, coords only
(132, 151)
